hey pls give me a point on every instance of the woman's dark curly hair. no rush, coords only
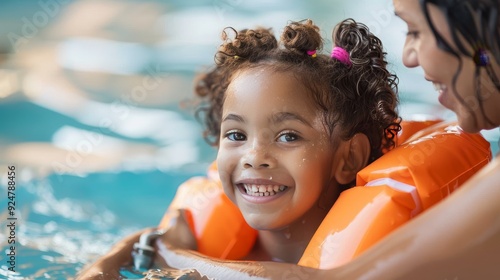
(360, 98)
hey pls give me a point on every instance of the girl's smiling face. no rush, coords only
(276, 158)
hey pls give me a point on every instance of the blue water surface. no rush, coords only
(63, 219)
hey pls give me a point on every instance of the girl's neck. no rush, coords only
(288, 244)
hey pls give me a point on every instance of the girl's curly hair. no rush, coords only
(360, 98)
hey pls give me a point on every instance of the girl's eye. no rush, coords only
(235, 136)
(413, 34)
(288, 137)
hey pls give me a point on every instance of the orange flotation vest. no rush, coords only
(390, 191)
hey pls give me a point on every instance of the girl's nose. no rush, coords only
(258, 156)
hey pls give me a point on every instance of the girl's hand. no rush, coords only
(178, 234)
(103, 269)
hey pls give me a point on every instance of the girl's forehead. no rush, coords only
(270, 84)
(267, 90)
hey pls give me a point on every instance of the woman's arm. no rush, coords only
(222, 269)
(458, 238)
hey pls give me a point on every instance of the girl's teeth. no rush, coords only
(263, 190)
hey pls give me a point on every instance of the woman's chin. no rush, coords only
(468, 125)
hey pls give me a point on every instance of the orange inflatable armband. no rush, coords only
(393, 189)
(217, 224)
(414, 124)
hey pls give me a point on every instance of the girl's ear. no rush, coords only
(352, 157)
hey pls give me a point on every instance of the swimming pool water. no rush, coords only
(64, 221)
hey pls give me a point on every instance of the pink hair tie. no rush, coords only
(341, 55)
(312, 53)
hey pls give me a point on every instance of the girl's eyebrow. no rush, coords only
(284, 116)
(276, 118)
(233, 117)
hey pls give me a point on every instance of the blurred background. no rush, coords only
(95, 115)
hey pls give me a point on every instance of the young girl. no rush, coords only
(293, 126)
